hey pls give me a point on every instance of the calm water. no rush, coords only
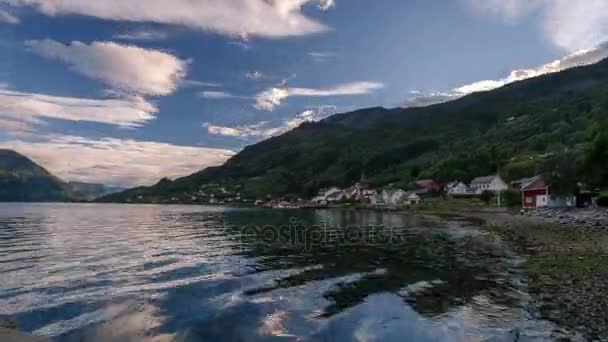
(164, 273)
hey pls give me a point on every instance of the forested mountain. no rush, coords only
(22, 180)
(509, 130)
(90, 191)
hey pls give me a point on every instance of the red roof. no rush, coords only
(428, 184)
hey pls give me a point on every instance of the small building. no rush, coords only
(368, 196)
(458, 188)
(336, 196)
(413, 199)
(536, 193)
(329, 195)
(377, 199)
(494, 184)
(394, 196)
(356, 191)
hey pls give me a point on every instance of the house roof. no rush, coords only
(413, 195)
(391, 192)
(483, 180)
(524, 181)
(537, 183)
(427, 183)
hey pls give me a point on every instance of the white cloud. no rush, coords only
(142, 35)
(265, 130)
(194, 83)
(15, 126)
(32, 107)
(265, 18)
(116, 161)
(8, 18)
(510, 9)
(220, 95)
(321, 57)
(571, 25)
(260, 129)
(269, 99)
(581, 58)
(254, 75)
(125, 68)
(326, 4)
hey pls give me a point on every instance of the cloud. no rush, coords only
(326, 4)
(254, 75)
(15, 126)
(194, 83)
(143, 35)
(220, 95)
(269, 99)
(116, 161)
(321, 57)
(31, 107)
(264, 18)
(260, 129)
(126, 68)
(580, 58)
(571, 25)
(265, 130)
(8, 18)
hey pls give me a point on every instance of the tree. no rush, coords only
(596, 156)
(561, 173)
(414, 172)
(487, 196)
(511, 198)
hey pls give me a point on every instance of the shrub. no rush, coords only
(486, 196)
(511, 198)
(602, 201)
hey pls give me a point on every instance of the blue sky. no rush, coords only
(125, 92)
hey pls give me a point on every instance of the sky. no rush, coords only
(126, 92)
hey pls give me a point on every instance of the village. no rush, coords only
(525, 194)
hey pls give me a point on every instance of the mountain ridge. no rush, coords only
(22, 180)
(460, 139)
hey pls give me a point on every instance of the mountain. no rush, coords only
(509, 129)
(22, 180)
(91, 191)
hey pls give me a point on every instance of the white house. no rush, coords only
(413, 199)
(458, 188)
(335, 195)
(376, 199)
(394, 196)
(331, 195)
(494, 184)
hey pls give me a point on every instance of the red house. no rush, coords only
(536, 193)
(428, 184)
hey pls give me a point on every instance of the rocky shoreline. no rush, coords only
(588, 218)
(566, 267)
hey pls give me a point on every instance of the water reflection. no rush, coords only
(163, 273)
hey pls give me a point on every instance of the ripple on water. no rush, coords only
(165, 273)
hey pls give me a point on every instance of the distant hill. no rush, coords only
(91, 191)
(506, 129)
(22, 180)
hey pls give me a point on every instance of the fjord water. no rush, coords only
(193, 273)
